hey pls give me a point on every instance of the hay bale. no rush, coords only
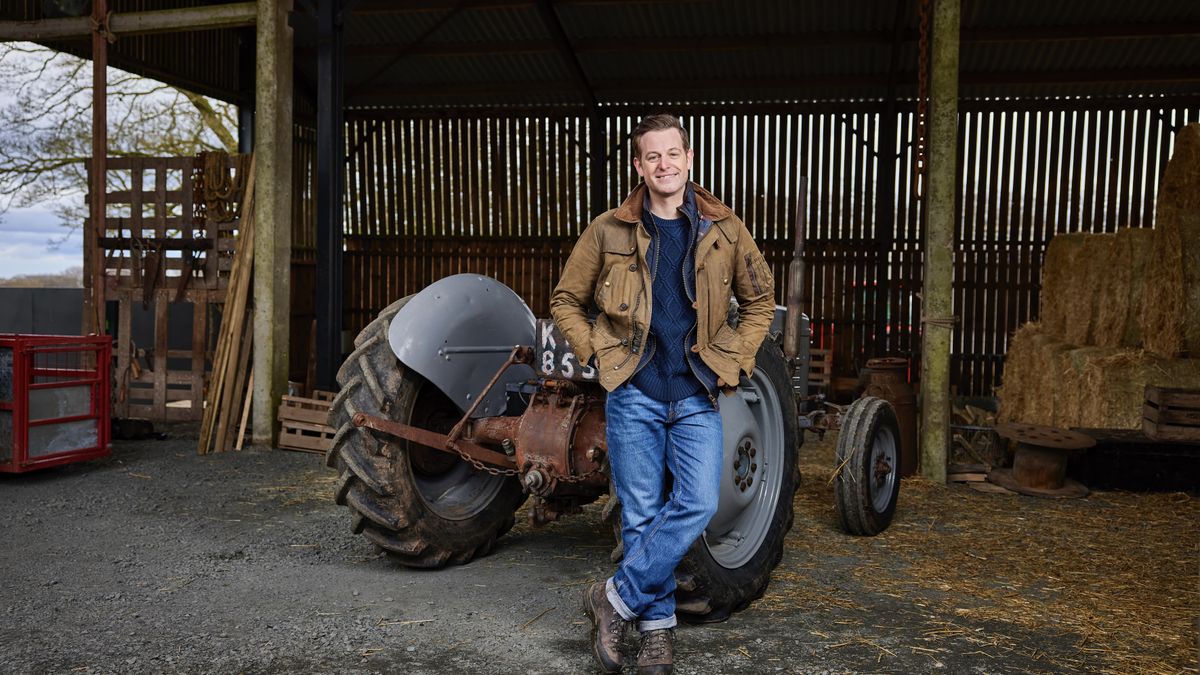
(1119, 296)
(1113, 384)
(1050, 366)
(1087, 268)
(1058, 277)
(1031, 390)
(1014, 381)
(1071, 400)
(1170, 320)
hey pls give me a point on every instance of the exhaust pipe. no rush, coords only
(795, 327)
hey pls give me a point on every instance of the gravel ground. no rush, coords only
(159, 560)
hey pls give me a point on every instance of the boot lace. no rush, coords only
(616, 629)
(656, 644)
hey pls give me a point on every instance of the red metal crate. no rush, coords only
(54, 400)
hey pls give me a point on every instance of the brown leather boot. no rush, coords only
(608, 628)
(657, 655)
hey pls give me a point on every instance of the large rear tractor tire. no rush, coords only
(868, 456)
(425, 507)
(730, 566)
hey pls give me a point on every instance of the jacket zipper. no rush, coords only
(694, 293)
(687, 356)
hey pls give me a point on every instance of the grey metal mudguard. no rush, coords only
(458, 332)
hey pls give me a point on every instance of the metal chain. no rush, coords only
(480, 466)
(574, 478)
(554, 475)
(922, 97)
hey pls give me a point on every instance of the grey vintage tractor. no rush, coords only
(457, 406)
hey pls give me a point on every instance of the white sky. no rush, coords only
(25, 234)
(25, 248)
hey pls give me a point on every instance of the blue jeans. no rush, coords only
(646, 439)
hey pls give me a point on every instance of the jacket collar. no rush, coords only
(707, 206)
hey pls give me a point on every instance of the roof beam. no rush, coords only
(533, 87)
(1111, 76)
(208, 17)
(793, 41)
(1117, 31)
(382, 7)
(393, 90)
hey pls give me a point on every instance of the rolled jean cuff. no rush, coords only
(614, 598)
(657, 624)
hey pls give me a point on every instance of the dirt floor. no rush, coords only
(157, 560)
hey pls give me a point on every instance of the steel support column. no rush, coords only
(937, 296)
(272, 213)
(885, 191)
(330, 179)
(597, 162)
(245, 111)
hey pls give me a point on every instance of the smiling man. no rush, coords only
(660, 271)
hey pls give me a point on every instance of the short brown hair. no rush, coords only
(657, 123)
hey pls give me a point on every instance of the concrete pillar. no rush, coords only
(272, 214)
(937, 296)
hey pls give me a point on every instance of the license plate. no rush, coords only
(555, 358)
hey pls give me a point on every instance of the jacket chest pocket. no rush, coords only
(619, 281)
(716, 280)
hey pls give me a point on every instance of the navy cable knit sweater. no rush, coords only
(666, 376)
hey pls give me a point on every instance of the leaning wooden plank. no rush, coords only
(239, 350)
(236, 395)
(245, 413)
(232, 321)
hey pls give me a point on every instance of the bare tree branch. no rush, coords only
(45, 127)
(212, 120)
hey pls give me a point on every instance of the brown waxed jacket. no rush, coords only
(607, 269)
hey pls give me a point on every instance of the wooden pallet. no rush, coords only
(820, 369)
(304, 423)
(1172, 414)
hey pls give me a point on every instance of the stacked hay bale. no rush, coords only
(1171, 314)
(1119, 311)
(1119, 316)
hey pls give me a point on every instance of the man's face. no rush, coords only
(663, 163)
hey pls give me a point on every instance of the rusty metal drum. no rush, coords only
(887, 378)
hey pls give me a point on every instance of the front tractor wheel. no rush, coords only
(730, 565)
(425, 507)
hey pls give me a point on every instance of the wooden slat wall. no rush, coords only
(427, 198)
(506, 195)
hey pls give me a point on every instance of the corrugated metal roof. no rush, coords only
(201, 61)
(447, 53)
(636, 51)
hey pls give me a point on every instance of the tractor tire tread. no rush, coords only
(376, 482)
